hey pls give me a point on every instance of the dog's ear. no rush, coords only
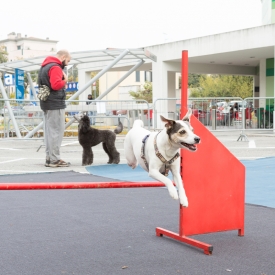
(85, 126)
(188, 115)
(168, 122)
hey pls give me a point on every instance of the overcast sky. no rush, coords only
(99, 24)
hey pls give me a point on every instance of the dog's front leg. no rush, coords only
(154, 173)
(87, 155)
(179, 183)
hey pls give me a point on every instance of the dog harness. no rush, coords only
(166, 162)
(143, 150)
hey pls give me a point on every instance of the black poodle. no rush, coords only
(89, 137)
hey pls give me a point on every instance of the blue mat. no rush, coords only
(260, 178)
(121, 172)
(260, 181)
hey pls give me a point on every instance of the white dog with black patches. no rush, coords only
(158, 153)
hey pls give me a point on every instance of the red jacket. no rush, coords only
(55, 73)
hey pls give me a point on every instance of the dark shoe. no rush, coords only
(47, 163)
(54, 164)
(60, 163)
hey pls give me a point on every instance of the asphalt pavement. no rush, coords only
(112, 231)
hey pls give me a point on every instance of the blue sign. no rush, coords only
(32, 94)
(19, 84)
(72, 87)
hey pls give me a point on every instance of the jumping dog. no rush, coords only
(158, 153)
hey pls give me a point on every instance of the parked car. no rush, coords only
(242, 104)
(215, 104)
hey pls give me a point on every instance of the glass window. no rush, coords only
(148, 76)
(137, 76)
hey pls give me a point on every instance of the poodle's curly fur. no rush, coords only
(89, 137)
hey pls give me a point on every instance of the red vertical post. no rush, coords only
(184, 83)
(184, 92)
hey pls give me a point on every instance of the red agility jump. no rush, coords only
(214, 181)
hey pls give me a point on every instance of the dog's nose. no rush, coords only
(197, 139)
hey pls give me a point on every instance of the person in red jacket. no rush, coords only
(51, 74)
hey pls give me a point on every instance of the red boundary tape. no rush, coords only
(77, 185)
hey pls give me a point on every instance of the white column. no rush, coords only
(262, 72)
(160, 90)
(274, 74)
(83, 78)
(172, 94)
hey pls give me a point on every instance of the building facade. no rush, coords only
(19, 47)
(268, 12)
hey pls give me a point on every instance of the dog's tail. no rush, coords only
(138, 123)
(119, 127)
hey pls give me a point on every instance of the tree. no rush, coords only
(193, 80)
(224, 86)
(3, 54)
(146, 93)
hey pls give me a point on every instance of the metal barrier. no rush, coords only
(222, 114)
(217, 114)
(202, 110)
(28, 116)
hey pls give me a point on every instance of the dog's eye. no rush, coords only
(182, 132)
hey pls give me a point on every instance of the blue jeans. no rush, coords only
(92, 119)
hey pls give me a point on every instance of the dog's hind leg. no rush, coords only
(116, 156)
(130, 156)
(107, 152)
(113, 154)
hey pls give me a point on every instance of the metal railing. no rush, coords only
(104, 114)
(217, 114)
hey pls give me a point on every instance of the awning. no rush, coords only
(107, 55)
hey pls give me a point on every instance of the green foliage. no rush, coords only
(146, 93)
(224, 86)
(34, 76)
(73, 74)
(193, 80)
(3, 54)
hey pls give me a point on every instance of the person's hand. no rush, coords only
(65, 77)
